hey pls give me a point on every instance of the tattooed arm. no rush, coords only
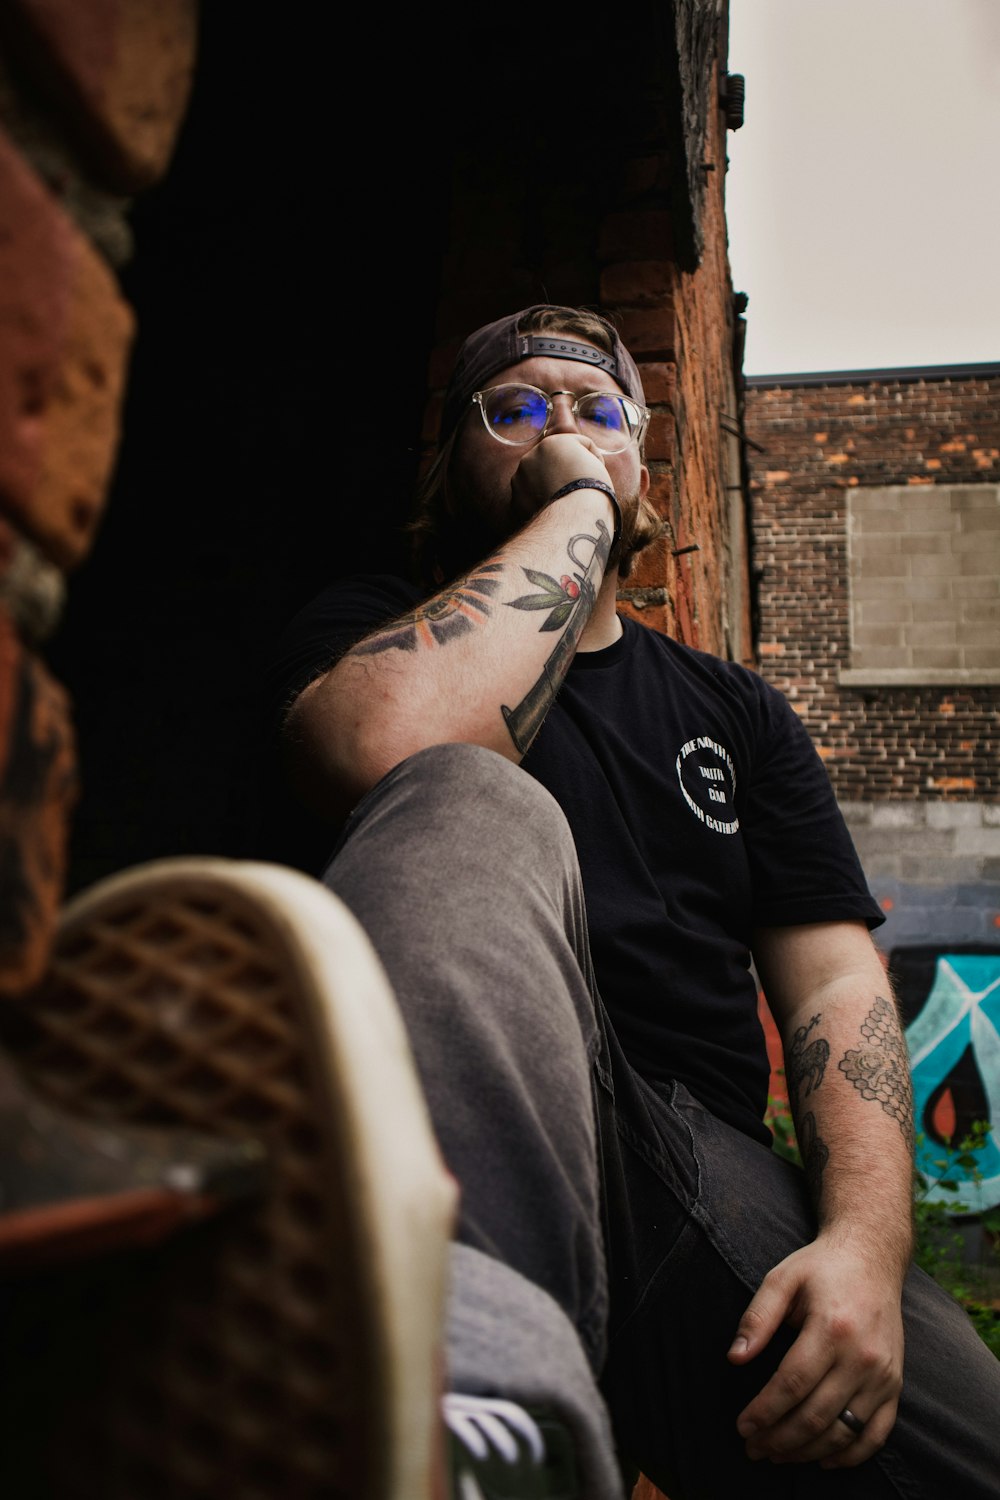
(849, 1086)
(479, 662)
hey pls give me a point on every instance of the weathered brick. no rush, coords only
(37, 793)
(638, 234)
(656, 616)
(64, 337)
(659, 381)
(642, 175)
(645, 331)
(638, 283)
(661, 437)
(652, 566)
(122, 70)
(662, 492)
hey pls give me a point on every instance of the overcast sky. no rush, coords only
(863, 194)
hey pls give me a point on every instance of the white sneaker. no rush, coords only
(503, 1451)
(291, 1349)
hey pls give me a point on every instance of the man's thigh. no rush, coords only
(709, 1227)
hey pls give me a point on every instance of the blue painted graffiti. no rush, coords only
(954, 1038)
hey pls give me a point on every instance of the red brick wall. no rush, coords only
(92, 93)
(682, 324)
(818, 442)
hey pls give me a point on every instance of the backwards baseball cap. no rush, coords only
(499, 345)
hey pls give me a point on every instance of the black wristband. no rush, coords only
(606, 489)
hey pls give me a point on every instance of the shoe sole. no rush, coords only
(290, 1350)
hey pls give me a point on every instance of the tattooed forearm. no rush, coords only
(457, 609)
(879, 1069)
(814, 1152)
(570, 611)
(805, 1065)
(557, 597)
(562, 598)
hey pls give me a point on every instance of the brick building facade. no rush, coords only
(912, 749)
(877, 560)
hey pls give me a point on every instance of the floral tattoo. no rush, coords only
(879, 1069)
(556, 596)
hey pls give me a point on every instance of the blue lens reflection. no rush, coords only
(517, 408)
(604, 412)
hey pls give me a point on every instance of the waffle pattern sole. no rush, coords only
(285, 1351)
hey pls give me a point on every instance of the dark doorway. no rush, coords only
(285, 278)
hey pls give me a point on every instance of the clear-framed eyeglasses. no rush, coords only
(520, 414)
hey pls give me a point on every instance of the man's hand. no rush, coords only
(848, 1353)
(849, 1087)
(446, 671)
(545, 468)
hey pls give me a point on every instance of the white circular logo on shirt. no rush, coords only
(707, 779)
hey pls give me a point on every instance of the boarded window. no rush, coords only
(924, 570)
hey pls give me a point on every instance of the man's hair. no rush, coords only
(442, 542)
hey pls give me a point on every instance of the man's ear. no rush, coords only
(643, 481)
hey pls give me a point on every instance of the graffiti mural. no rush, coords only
(951, 1009)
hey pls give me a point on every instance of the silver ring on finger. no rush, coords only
(850, 1420)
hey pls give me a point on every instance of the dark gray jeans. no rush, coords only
(612, 1231)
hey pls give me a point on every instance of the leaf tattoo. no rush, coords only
(557, 595)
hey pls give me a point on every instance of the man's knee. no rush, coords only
(467, 781)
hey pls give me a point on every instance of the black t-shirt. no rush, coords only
(700, 810)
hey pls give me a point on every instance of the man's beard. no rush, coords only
(474, 532)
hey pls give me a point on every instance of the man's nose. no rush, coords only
(562, 418)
